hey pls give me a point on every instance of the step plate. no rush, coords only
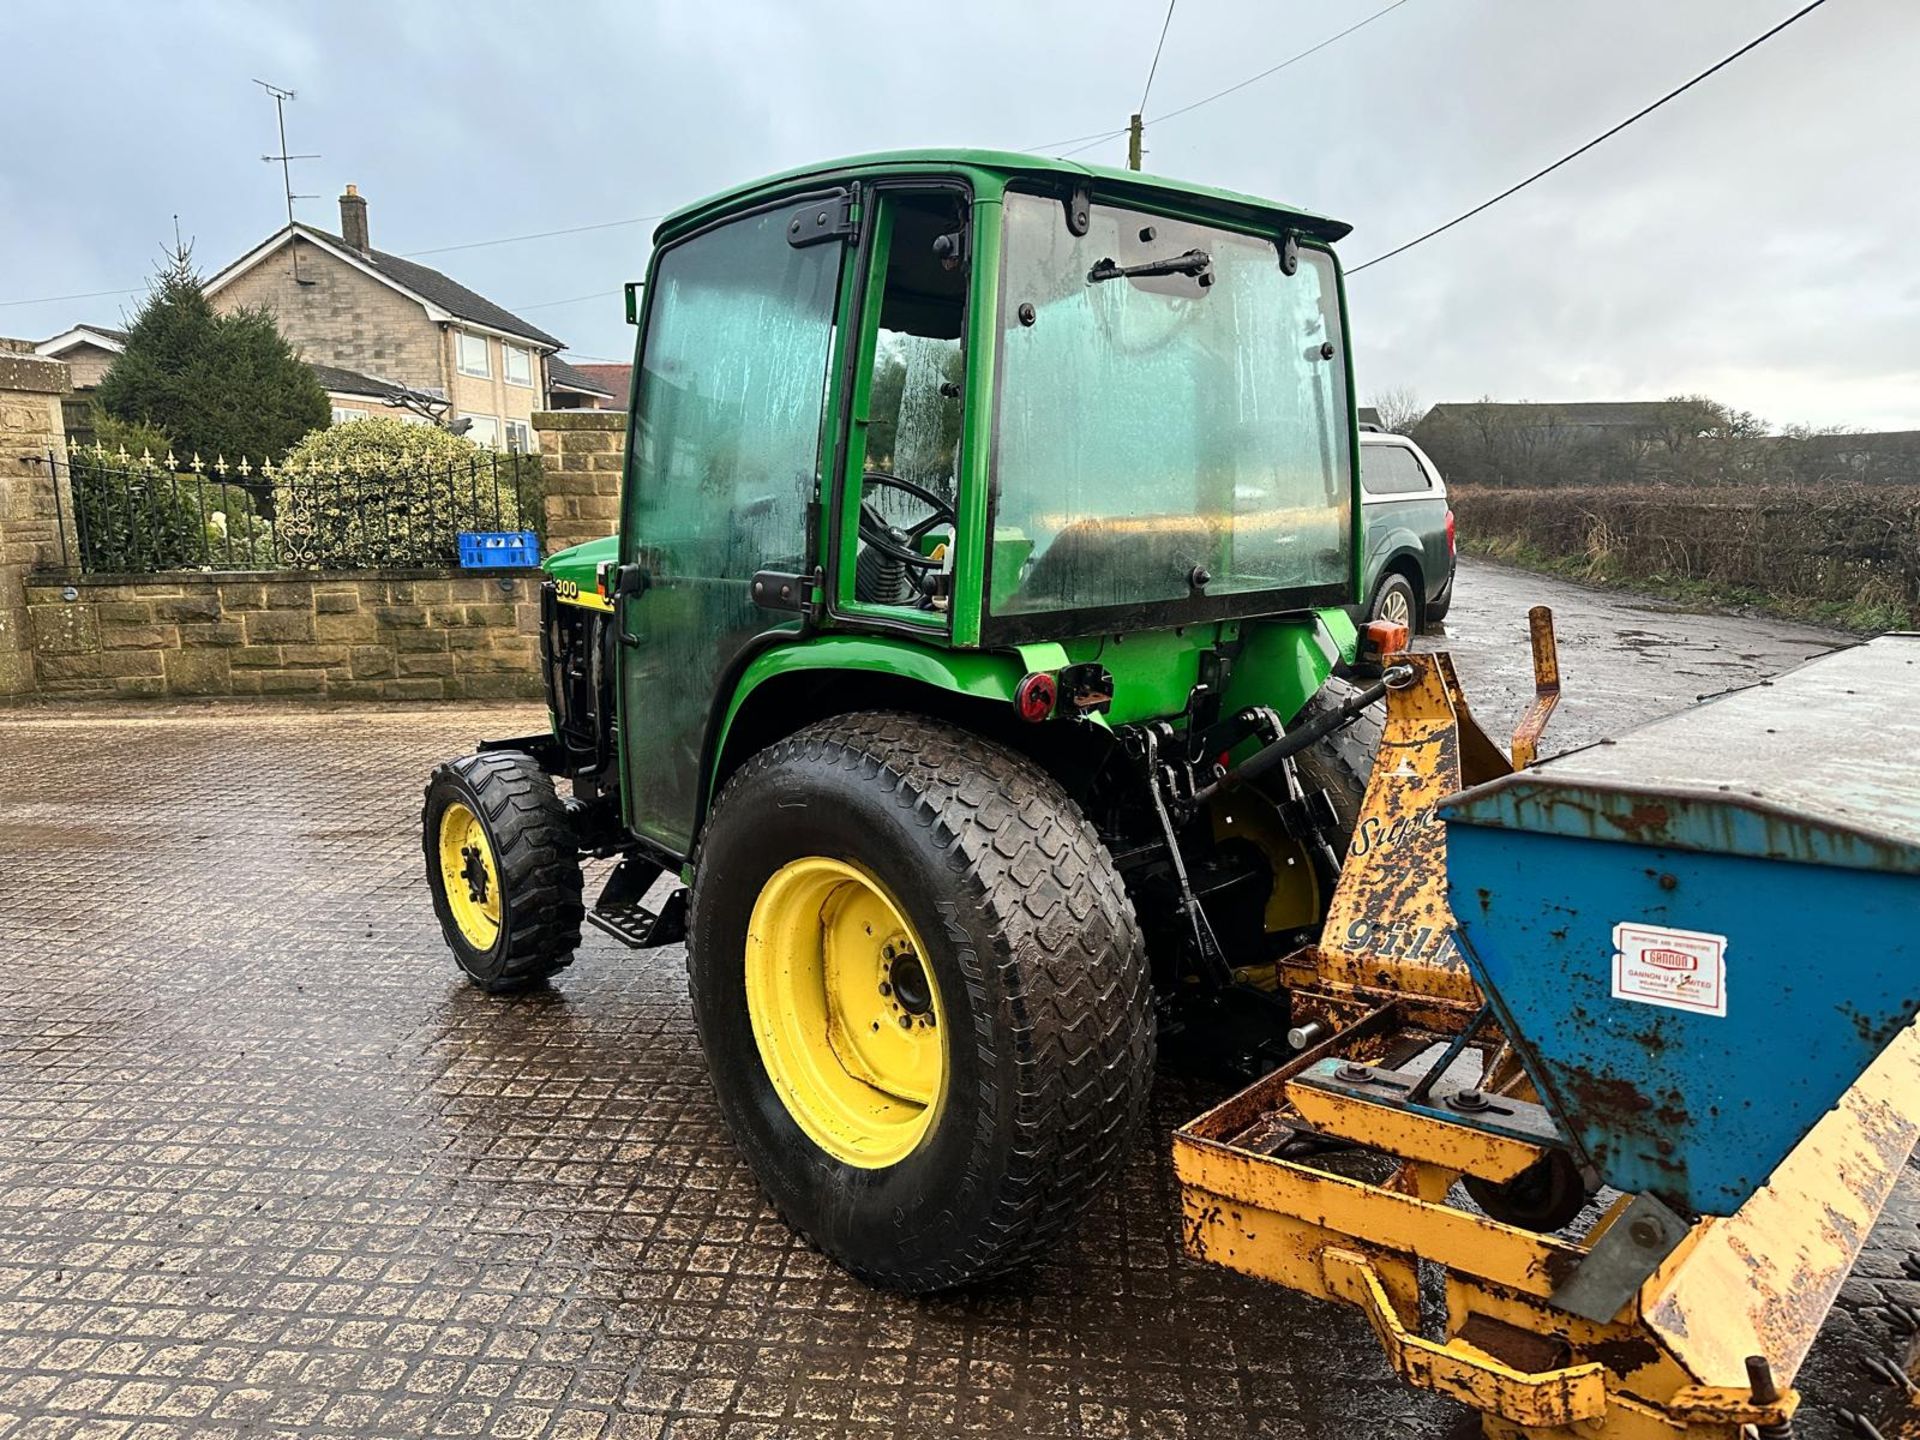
(634, 925)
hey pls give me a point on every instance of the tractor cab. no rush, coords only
(967, 401)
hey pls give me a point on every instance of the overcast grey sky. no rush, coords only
(1755, 240)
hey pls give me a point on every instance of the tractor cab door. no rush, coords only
(723, 471)
(894, 548)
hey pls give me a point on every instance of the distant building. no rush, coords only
(87, 350)
(1610, 417)
(392, 322)
(1368, 415)
(587, 387)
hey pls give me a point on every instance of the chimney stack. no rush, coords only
(353, 219)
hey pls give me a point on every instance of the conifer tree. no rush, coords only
(213, 384)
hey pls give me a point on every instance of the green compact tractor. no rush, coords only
(969, 684)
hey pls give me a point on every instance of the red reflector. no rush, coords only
(1450, 542)
(1386, 637)
(1033, 698)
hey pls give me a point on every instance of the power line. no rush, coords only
(406, 254)
(1087, 142)
(1075, 140)
(1097, 140)
(1759, 40)
(1147, 89)
(576, 300)
(83, 295)
(1276, 69)
(536, 235)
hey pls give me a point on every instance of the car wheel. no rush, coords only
(1395, 602)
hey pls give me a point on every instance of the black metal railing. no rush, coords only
(141, 514)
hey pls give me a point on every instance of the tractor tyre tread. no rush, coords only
(537, 859)
(1341, 763)
(1070, 954)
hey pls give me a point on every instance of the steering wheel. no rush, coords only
(876, 532)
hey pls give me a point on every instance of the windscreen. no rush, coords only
(1174, 431)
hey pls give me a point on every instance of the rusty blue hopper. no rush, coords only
(1698, 936)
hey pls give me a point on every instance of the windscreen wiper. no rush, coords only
(1192, 262)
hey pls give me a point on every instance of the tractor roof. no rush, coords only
(1116, 183)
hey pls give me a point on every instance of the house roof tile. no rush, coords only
(440, 290)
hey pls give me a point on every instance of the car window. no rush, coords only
(1391, 470)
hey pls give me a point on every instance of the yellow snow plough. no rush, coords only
(1606, 1065)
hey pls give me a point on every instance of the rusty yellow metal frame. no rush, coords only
(1388, 929)
(1533, 1371)
(1386, 987)
(1412, 1137)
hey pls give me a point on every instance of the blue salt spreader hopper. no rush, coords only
(1700, 935)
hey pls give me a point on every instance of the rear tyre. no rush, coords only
(1394, 600)
(503, 869)
(923, 996)
(1341, 763)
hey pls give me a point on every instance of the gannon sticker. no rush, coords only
(1681, 969)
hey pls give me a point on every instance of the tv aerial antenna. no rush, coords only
(285, 160)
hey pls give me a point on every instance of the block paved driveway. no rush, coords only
(267, 1167)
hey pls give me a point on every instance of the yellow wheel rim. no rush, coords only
(469, 876)
(845, 1011)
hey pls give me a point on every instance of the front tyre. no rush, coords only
(923, 997)
(503, 869)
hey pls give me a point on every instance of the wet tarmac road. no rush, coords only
(268, 1168)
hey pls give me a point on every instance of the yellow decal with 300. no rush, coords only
(569, 593)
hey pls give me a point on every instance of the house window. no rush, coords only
(518, 364)
(484, 432)
(473, 355)
(343, 413)
(519, 436)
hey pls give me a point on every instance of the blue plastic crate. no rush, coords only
(492, 549)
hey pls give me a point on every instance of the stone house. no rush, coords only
(391, 323)
(88, 351)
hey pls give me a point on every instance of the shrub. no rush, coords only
(1848, 552)
(381, 493)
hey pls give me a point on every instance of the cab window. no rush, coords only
(905, 452)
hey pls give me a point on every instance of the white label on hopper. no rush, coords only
(1681, 969)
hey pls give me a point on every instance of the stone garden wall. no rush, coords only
(366, 635)
(369, 635)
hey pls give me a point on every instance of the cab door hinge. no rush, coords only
(781, 590)
(831, 217)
